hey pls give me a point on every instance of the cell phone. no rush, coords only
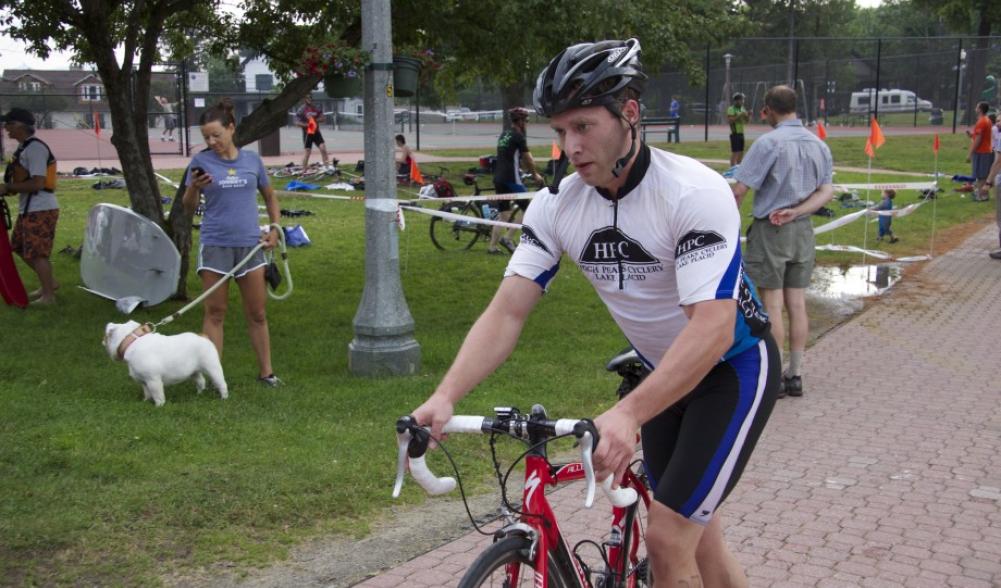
(197, 170)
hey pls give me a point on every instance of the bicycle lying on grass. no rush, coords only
(314, 171)
(453, 234)
(529, 549)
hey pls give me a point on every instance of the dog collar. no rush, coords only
(131, 338)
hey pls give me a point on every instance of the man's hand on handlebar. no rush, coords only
(435, 412)
(617, 445)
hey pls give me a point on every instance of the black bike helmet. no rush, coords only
(589, 74)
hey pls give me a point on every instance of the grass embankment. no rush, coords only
(102, 488)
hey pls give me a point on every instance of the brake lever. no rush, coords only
(403, 441)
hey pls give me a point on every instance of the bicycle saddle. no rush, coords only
(624, 358)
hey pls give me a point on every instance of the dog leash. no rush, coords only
(284, 255)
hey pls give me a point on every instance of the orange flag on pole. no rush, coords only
(936, 144)
(555, 152)
(821, 131)
(97, 124)
(875, 140)
(415, 172)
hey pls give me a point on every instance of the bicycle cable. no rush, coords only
(462, 491)
(503, 484)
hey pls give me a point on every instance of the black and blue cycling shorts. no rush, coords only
(696, 450)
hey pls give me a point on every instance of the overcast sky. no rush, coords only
(14, 56)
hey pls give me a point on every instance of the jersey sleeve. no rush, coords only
(707, 253)
(263, 181)
(538, 254)
(522, 144)
(756, 164)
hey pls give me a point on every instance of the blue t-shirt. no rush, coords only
(231, 218)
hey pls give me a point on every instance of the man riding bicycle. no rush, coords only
(658, 236)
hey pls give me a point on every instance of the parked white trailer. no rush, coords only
(864, 101)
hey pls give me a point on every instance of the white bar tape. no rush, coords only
(464, 424)
(565, 426)
(620, 496)
(432, 484)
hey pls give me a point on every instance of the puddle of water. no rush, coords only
(836, 293)
(855, 281)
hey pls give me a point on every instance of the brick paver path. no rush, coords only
(886, 473)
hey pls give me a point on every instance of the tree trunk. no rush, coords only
(512, 95)
(179, 229)
(273, 112)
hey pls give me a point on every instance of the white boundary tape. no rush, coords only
(384, 204)
(460, 217)
(167, 180)
(888, 186)
(484, 197)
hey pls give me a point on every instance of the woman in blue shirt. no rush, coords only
(230, 178)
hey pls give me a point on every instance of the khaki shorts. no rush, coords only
(34, 234)
(780, 257)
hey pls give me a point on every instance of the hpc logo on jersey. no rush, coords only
(609, 248)
(698, 245)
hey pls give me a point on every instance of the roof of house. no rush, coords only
(56, 78)
(65, 82)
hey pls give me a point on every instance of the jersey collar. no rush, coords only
(636, 175)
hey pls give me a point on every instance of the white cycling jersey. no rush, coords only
(672, 239)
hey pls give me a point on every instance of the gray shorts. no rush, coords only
(982, 164)
(221, 260)
(780, 257)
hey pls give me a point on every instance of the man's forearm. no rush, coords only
(815, 201)
(995, 169)
(32, 184)
(973, 143)
(529, 162)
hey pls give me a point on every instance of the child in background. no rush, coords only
(885, 221)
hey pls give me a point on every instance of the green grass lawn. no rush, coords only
(101, 488)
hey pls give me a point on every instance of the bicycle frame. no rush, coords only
(539, 515)
(535, 525)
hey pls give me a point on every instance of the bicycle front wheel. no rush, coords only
(506, 564)
(456, 235)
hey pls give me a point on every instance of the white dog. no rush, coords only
(157, 360)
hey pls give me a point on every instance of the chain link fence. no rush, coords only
(931, 82)
(842, 81)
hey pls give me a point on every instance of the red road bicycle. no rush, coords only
(529, 548)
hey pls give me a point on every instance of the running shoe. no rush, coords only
(270, 381)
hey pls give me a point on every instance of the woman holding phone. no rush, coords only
(230, 178)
